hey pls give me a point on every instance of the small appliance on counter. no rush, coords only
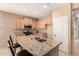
(27, 30)
(40, 39)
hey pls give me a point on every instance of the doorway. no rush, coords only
(75, 38)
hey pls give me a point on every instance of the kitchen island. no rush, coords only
(48, 48)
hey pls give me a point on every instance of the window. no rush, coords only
(0, 23)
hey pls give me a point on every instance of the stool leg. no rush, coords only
(14, 50)
(21, 48)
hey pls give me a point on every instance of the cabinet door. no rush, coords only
(27, 21)
(34, 24)
(19, 23)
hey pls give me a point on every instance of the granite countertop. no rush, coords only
(37, 48)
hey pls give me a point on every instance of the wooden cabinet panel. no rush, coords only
(19, 23)
(22, 23)
(27, 21)
(34, 24)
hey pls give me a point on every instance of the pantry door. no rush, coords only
(60, 32)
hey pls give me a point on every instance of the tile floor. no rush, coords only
(5, 52)
(75, 51)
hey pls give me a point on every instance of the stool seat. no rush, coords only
(16, 45)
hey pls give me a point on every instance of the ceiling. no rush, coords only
(36, 10)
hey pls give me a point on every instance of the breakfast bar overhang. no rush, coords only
(47, 48)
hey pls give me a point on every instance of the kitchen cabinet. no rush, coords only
(19, 23)
(34, 24)
(27, 21)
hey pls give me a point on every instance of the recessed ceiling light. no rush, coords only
(45, 6)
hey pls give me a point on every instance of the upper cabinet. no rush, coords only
(27, 21)
(34, 24)
(20, 22)
(43, 22)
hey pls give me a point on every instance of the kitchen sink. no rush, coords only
(40, 39)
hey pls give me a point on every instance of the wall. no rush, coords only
(8, 26)
(75, 5)
(64, 10)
